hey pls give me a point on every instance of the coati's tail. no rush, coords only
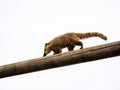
(91, 34)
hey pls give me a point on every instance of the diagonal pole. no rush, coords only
(63, 59)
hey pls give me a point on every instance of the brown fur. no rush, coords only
(69, 40)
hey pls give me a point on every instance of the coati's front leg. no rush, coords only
(71, 47)
(57, 51)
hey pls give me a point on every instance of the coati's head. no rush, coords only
(47, 49)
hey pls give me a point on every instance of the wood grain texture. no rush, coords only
(63, 59)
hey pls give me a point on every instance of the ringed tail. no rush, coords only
(91, 34)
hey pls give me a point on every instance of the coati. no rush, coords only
(69, 40)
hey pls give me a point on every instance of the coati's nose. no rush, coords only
(44, 55)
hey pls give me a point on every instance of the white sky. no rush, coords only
(25, 25)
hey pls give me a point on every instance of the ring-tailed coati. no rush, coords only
(69, 40)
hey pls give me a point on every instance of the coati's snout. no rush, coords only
(46, 49)
(44, 54)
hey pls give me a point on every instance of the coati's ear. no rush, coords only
(46, 44)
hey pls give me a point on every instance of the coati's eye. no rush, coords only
(46, 46)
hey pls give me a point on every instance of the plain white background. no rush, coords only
(26, 25)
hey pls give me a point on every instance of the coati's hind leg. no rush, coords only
(79, 43)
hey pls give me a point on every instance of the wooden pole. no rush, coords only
(63, 59)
